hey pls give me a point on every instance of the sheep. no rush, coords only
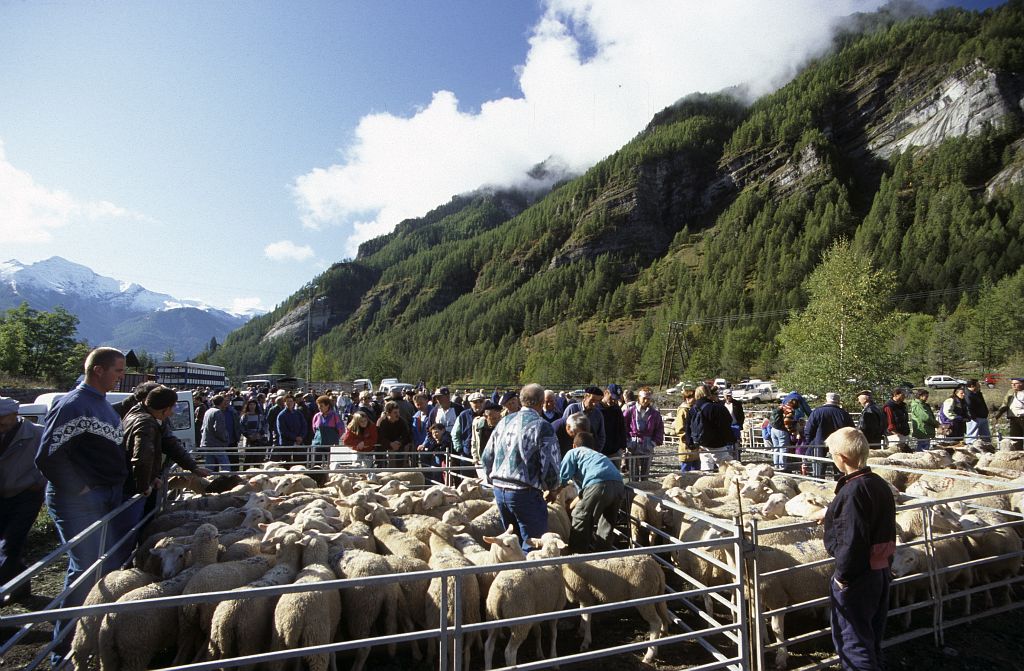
(391, 540)
(929, 459)
(805, 505)
(413, 598)
(130, 640)
(758, 488)
(443, 556)
(110, 588)
(618, 579)
(306, 619)
(1004, 541)
(680, 479)
(411, 478)
(774, 507)
(948, 552)
(194, 619)
(646, 508)
(240, 627)
(167, 558)
(784, 589)
(293, 483)
(241, 549)
(368, 602)
(1002, 459)
(948, 487)
(910, 523)
(523, 592)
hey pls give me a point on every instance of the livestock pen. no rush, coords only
(718, 577)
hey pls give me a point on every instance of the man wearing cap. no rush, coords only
(1013, 408)
(510, 403)
(822, 423)
(590, 406)
(616, 434)
(872, 420)
(443, 412)
(21, 490)
(462, 431)
(521, 461)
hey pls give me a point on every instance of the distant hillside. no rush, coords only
(907, 139)
(115, 313)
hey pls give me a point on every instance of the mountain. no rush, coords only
(112, 312)
(905, 139)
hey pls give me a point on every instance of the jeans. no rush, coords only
(817, 467)
(72, 513)
(17, 513)
(121, 527)
(923, 444)
(217, 461)
(780, 445)
(978, 428)
(524, 510)
(858, 619)
(601, 502)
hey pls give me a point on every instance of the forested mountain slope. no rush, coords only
(906, 139)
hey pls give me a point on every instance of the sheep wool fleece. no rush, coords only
(860, 532)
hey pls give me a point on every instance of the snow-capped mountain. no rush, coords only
(113, 312)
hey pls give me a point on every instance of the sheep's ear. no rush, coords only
(509, 530)
(263, 526)
(560, 544)
(458, 527)
(533, 542)
(491, 540)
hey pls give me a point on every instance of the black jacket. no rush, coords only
(708, 425)
(872, 423)
(737, 413)
(976, 408)
(898, 417)
(615, 433)
(860, 525)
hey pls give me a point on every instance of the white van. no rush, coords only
(181, 420)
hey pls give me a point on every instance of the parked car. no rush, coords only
(991, 380)
(943, 381)
(756, 392)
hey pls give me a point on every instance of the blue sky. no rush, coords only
(228, 151)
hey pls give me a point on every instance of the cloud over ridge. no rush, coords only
(595, 73)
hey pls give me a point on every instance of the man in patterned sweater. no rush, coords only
(81, 456)
(521, 460)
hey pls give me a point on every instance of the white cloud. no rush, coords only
(31, 212)
(286, 250)
(595, 73)
(248, 304)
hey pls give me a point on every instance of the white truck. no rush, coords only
(181, 421)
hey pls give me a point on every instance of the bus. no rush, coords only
(190, 375)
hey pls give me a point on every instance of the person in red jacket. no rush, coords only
(361, 436)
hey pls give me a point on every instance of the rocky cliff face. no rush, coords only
(963, 104)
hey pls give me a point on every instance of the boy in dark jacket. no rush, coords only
(860, 532)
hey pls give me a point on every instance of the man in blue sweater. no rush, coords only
(601, 494)
(291, 428)
(822, 423)
(81, 456)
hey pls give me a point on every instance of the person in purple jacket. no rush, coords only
(646, 432)
(860, 532)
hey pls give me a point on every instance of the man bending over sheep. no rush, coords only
(860, 532)
(521, 461)
(601, 493)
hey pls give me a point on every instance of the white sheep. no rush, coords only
(522, 592)
(987, 542)
(444, 556)
(241, 627)
(910, 523)
(369, 602)
(806, 505)
(392, 540)
(618, 579)
(110, 588)
(306, 619)
(194, 618)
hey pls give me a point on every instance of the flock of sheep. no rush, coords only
(787, 503)
(280, 527)
(283, 527)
